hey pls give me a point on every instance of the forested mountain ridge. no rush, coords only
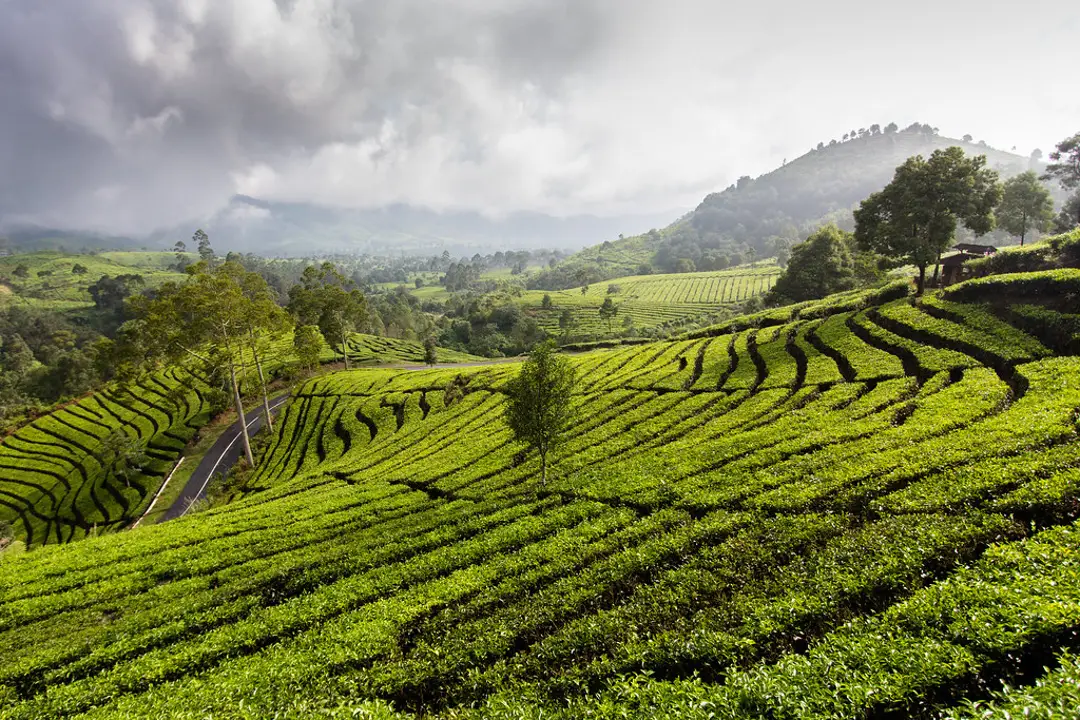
(759, 217)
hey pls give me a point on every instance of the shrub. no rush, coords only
(1014, 260)
(1067, 246)
(1059, 285)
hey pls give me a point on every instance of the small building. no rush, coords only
(953, 268)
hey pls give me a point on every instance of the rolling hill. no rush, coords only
(378, 350)
(56, 485)
(864, 508)
(750, 218)
(247, 224)
(644, 302)
(51, 276)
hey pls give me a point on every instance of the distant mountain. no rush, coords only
(752, 216)
(27, 238)
(297, 229)
(249, 224)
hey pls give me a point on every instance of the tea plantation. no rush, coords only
(55, 483)
(858, 508)
(374, 349)
(646, 301)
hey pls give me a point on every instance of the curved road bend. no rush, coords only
(225, 453)
(229, 448)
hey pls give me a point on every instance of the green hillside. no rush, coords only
(866, 511)
(755, 216)
(377, 350)
(56, 485)
(647, 301)
(51, 280)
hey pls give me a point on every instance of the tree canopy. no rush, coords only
(608, 311)
(321, 299)
(307, 346)
(1069, 217)
(209, 318)
(915, 217)
(1066, 166)
(539, 408)
(1025, 205)
(822, 265)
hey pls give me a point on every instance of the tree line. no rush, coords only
(915, 219)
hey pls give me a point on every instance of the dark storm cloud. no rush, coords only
(130, 114)
(106, 103)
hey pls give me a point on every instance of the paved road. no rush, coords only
(228, 449)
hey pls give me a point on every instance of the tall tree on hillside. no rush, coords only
(122, 456)
(818, 267)
(431, 351)
(566, 322)
(207, 318)
(915, 216)
(1025, 205)
(109, 295)
(539, 408)
(202, 242)
(265, 321)
(342, 313)
(1069, 217)
(322, 299)
(608, 311)
(307, 346)
(180, 248)
(1066, 166)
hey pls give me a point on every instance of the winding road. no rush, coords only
(228, 449)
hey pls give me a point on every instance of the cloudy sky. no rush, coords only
(128, 115)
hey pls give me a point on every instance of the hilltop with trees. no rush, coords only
(764, 217)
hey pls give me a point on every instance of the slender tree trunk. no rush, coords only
(543, 469)
(262, 384)
(239, 403)
(937, 270)
(345, 348)
(240, 414)
(922, 280)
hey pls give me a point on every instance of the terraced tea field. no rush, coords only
(55, 485)
(59, 288)
(374, 349)
(865, 514)
(651, 300)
